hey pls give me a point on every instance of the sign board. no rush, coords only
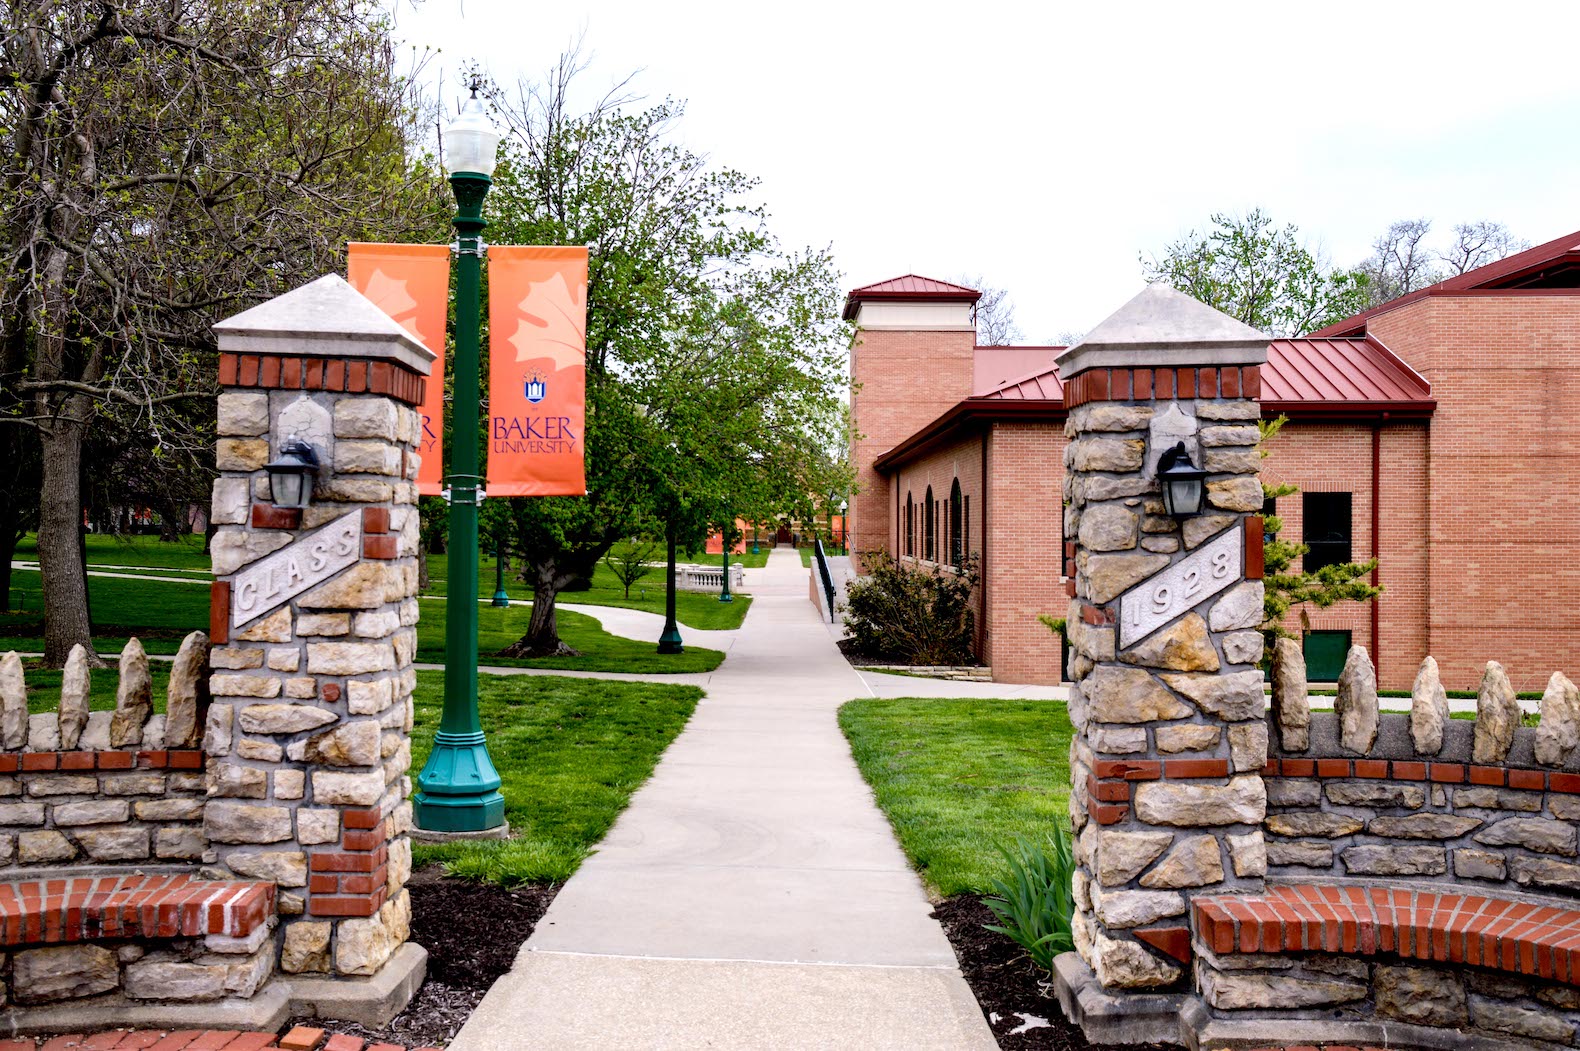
(1211, 568)
(274, 580)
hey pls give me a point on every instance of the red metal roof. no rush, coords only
(1042, 385)
(910, 286)
(992, 367)
(1340, 374)
(1516, 270)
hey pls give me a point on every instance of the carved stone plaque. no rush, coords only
(274, 580)
(1216, 565)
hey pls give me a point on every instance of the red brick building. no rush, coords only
(1439, 433)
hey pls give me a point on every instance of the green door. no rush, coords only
(1325, 653)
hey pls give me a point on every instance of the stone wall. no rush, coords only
(1360, 792)
(83, 787)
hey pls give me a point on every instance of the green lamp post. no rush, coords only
(501, 598)
(458, 789)
(669, 642)
(724, 563)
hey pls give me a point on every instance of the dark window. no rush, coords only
(1326, 529)
(1325, 652)
(929, 524)
(956, 546)
(910, 525)
(966, 523)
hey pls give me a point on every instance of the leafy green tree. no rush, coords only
(1284, 588)
(713, 356)
(1263, 275)
(165, 164)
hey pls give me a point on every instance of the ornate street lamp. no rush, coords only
(724, 563)
(291, 475)
(1181, 482)
(458, 789)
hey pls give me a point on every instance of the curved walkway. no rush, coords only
(752, 895)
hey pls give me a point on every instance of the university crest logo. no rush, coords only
(534, 387)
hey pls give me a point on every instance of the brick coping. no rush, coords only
(54, 911)
(1477, 930)
(1532, 780)
(101, 759)
(299, 1038)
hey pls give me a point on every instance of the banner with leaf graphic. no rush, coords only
(537, 390)
(411, 283)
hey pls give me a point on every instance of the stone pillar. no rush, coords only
(313, 620)
(1167, 700)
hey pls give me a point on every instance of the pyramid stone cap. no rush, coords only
(1165, 328)
(323, 318)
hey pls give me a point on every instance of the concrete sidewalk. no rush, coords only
(753, 895)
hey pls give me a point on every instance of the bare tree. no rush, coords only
(995, 312)
(164, 165)
(1480, 243)
(1400, 263)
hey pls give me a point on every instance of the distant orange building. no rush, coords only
(1439, 433)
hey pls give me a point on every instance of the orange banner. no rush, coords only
(411, 283)
(537, 374)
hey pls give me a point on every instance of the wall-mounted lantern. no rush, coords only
(291, 476)
(1183, 483)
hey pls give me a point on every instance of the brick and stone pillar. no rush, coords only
(313, 623)
(1167, 700)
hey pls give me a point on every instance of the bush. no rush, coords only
(910, 615)
(1035, 905)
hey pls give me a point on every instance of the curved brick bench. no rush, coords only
(1477, 930)
(84, 908)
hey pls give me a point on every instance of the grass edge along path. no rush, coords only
(570, 753)
(957, 778)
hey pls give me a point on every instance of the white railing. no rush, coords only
(708, 578)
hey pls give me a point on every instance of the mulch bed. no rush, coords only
(472, 932)
(1011, 990)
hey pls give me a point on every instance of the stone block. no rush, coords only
(115, 844)
(1355, 703)
(243, 413)
(259, 751)
(233, 658)
(366, 457)
(1186, 737)
(1119, 455)
(231, 781)
(179, 842)
(1353, 793)
(91, 812)
(1537, 834)
(1239, 607)
(1497, 716)
(1121, 855)
(1558, 734)
(306, 948)
(43, 732)
(168, 809)
(288, 868)
(1232, 696)
(1394, 861)
(363, 586)
(1194, 862)
(1419, 995)
(276, 627)
(1248, 854)
(1117, 740)
(289, 784)
(1223, 436)
(141, 784)
(1127, 695)
(231, 501)
(1231, 461)
(21, 813)
(317, 826)
(1183, 646)
(66, 972)
(226, 822)
(63, 785)
(167, 979)
(284, 659)
(350, 744)
(1303, 852)
(1313, 823)
(342, 789)
(323, 623)
(1248, 747)
(240, 454)
(1127, 965)
(1122, 909)
(349, 658)
(376, 625)
(1235, 494)
(1542, 872)
(1108, 527)
(1422, 826)
(1250, 990)
(301, 689)
(1479, 864)
(1108, 576)
(283, 718)
(42, 846)
(244, 686)
(232, 548)
(365, 418)
(1428, 709)
(1242, 801)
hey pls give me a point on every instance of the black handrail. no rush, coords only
(828, 579)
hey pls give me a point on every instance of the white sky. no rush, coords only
(1046, 145)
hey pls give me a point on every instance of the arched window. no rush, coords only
(929, 525)
(910, 525)
(956, 546)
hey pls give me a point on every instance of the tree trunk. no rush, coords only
(60, 560)
(543, 631)
(422, 568)
(8, 542)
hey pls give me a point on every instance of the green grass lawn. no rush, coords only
(161, 614)
(601, 651)
(43, 686)
(807, 554)
(570, 753)
(957, 778)
(692, 609)
(184, 553)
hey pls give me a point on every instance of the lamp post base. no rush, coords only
(501, 599)
(425, 835)
(670, 641)
(458, 789)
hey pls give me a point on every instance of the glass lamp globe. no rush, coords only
(1181, 482)
(471, 141)
(291, 476)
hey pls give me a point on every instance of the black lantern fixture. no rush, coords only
(1183, 483)
(291, 476)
